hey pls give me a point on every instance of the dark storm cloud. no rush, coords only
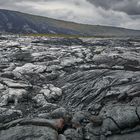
(131, 7)
(122, 13)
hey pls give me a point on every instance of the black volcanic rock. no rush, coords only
(69, 88)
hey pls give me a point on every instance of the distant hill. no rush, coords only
(17, 22)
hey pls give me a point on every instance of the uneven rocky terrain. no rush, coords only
(69, 88)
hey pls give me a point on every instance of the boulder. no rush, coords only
(14, 95)
(30, 68)
(51, 92)
(29, 132)
(72, 134)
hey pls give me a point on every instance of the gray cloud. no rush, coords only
(122, 13)
(131, 7)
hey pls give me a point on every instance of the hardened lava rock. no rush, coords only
(57, 88)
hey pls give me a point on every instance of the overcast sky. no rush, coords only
(122, 13)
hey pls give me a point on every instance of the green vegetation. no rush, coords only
(54, 35)
(66, 36)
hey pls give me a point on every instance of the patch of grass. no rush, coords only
(52, 35)
(65, 36)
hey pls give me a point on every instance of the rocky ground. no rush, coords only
(69, 88)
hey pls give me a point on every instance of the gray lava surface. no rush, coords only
(56, 88)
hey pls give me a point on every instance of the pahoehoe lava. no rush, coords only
(58, 88)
